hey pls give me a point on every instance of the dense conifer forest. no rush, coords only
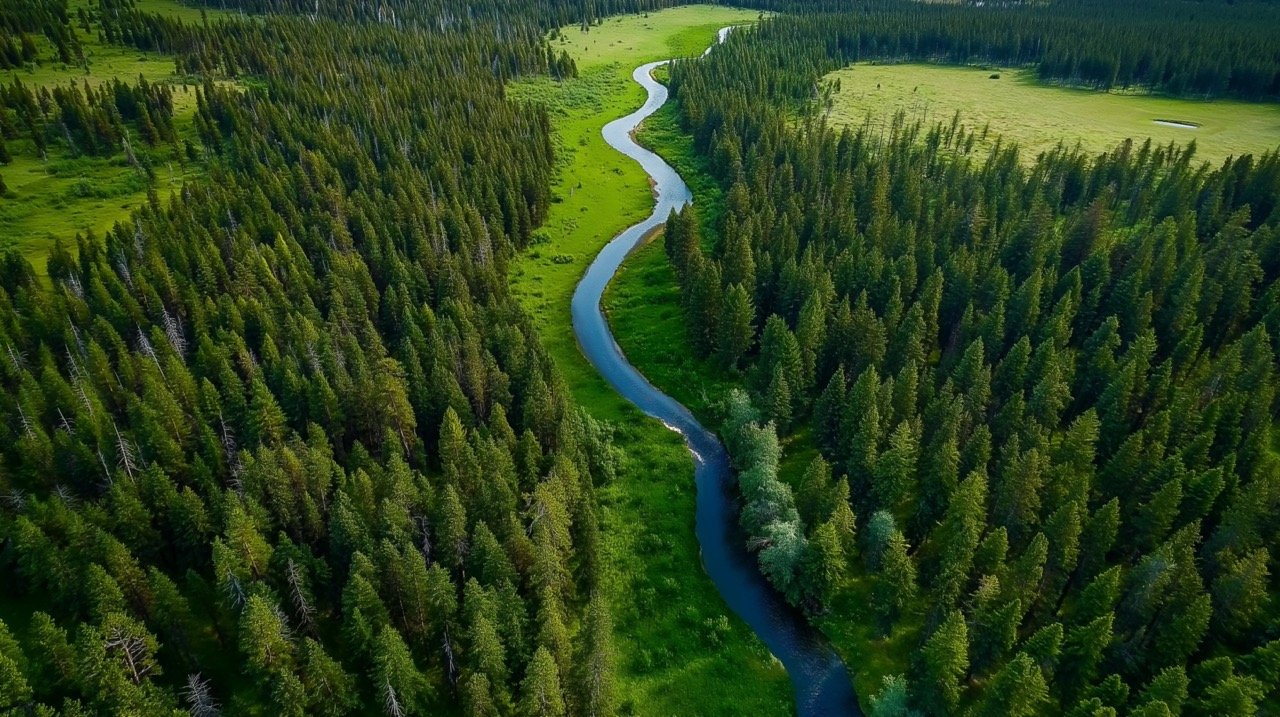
(284, 443)
(1043, 394)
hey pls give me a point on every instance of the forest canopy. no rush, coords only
(284, 443)
(1047, 391)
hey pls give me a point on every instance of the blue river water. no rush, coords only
(821, 681)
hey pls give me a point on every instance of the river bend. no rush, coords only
(821, 681)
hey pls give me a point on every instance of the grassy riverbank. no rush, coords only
(679, 652)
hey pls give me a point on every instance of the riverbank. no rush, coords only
(819, 677)
(679, 651)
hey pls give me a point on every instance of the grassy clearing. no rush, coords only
(1038, 116)
(60, 197)
(678, 651)
(63, 195)
(187, 13)
(631, 40)
(107, 61)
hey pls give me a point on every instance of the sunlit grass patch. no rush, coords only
(1015, 105)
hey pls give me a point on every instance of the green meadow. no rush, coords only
(679, 651)
(61, 195)
(1038, 116)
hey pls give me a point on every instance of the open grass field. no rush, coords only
(679, 652)
(631, 40)
(1038, 116)
(61, 195)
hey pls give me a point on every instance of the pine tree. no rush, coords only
(15, 691)
(814, 497)
(895, 587)
(266, 420)
(956, 539)
(824, 564)
(265, 641)
(540, 692)
(704, 300)
(1168, 688)
(827, 413)
(1098, 598)
(735, 330)
(895, 468)
(595, 662)
(401, 688)
(553, 635)
(995, 624)
(452, 528)
(893, 700)
(477, 697)
(944, 660)
(1240, 592)
(1018, 690)
(1082, 652)
(780, 354)
(843, 519)
(860, 426)
(778, 399)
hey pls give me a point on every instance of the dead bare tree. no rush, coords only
(65, 423)
(424, 527)
(26, 423)
(144, 345)
(65, 495)
(173, 331)
(16, 358)
(232, 454)
(390, 701)
(15, 499)
(450, 663)
(199, 697)
(297, 593)
(235, 591)
(132, 651)
(126, 459)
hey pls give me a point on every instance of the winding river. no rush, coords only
(821, 682)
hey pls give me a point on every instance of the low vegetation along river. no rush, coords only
(821, 681)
